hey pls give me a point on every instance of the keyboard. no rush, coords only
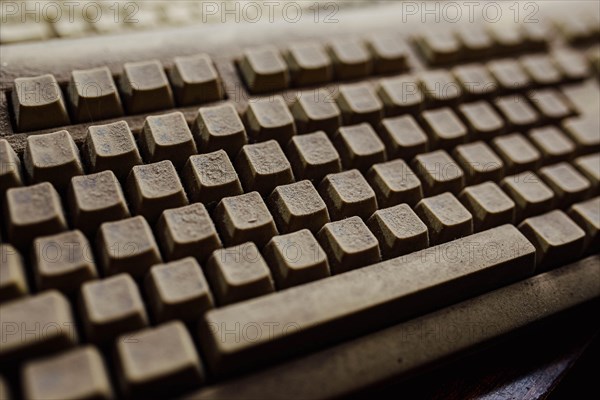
(293, 209)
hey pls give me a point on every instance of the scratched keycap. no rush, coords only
(489, 206)
(482, 121)
(145, 87)
(93, 95)
(359, 146)
(444, 128)
(439, 87)
(33, 211)
(269, 118)
(244, 218)
(111, 147)
(264, 69)
(195, 80)
(585, 132)
(238, 273)
(38, 103)
(127, 245)
(359, 103)
(517, 112)
(210, 177)
(350, 58)
(11, 174)
(309, 64)
(438, 173)
(507, 40)
(551, 104)
(313, 156)
(589, 166)
(178, 290)
(263, 166)
(479, 162)
(296, 258)
(403, 137)
(73, 374)
(552, 143)
(393, 183)
(568, 184)
(475, 80)
(297, 206)
(219, 128)
(349, 245)
(187, 232)
(167, 137)
(517, 152)
(389, 53)
(509, 74)
(446, 218)
(347, 194)
(316, 110)
(571, 63)
(13, 281)
(530, 194)
(587, 215)
(52, 157)
(541, 69)
(438, 47)
(398, 230)
(476, 41)
(400, 95)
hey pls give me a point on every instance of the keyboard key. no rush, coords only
(270, 118)
(110, 307)
(263, 166)
(74, 374)
(347, 194)
(350, 58)
(238, 273)
(296, 258)
(530, 194)
(145, 87)
(439, 87)
(210, 177)
(517, 112)
(585, 132)
(507, 40)
(554, 145)
(518, 154)
(537, 34)
(264, 70)
(551, 104)
(475, 40)
(93, 95)
(195, 80)
(489, 206)
(244, 218)
(309, 64)
(568, 185)
(393, 183)
(398, 230)
(475, 80)
(178, 290)
(574, 28)
(349, 245)
(151, 188)
(33, 211)
(439, 173)
(359, 146)
(10, 170)
(36, 325)
(400, 95)
(13, 282)
(540, 69)
(187, 232)
(438, 47)
(587, 215)
(158, 361)
(446, 218)
(444, 128)
(4, 388)
(38, 103)
(313, 156)
(389, 53)
(509, 74)
(403, 137)
(589, 166)
(111, 147)
(482, 120)
(316, 111)
(479, 163)
(557, 239)
(220, 128)
(167, 137)
(298, 206)
(571, 63)
(359, 103)
(52, 157)
(127, 246)
(582, 96)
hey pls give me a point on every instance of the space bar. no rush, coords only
(299, 319)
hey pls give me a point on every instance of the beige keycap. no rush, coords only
(359, 146)
(36, 325)
(145, 87)
(269, 118)
(557, 239)
(187, 232)
(210, 177)
(93, 95)
(438, 173)
(13, 282)
(73, 374)
(475, 80)
(553, 144)
(219, 128)
(244, 218)
(195, 80)
(479, 163)
(349, 245)
(517, 112)
(400, 95)
(178, 290)
(167, 137)
(585, 132)
(403, 137)
(38, 103)
(94, 199)
(296, 206)
(587, 215)
(518, 153)
(398, 230)
(4, 389)
(264, 69)
(313, 156)
(359, 103)
(33, 211)
(574, 28)
(350, 58)
(551, 104)
(438, 47)
(571, 63)
(568, 185)
(507, 40)
(10, 168)
(439, 87)
(127, 246)
(52, 157)
(110, 307)
(537, 35)
(393, 183)
(316, 110)
(389, 53)
(509, 74)
(489, 206)
(541, 69)
(238, 273)
(476, 40)
(589, 166)
(152, 188)
(444, 128)
(309, 64)
(111, 147)
(446, 218)
(263, 166)
(482, 121)
(530, 194)
(348, 194)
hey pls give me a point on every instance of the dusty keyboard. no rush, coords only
(210, 221)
